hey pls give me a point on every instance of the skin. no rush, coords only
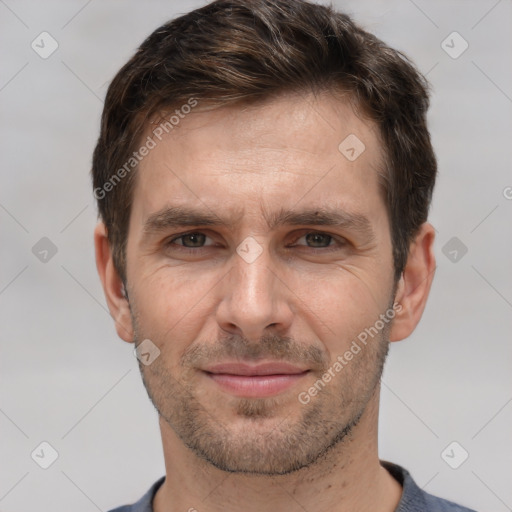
(304, 300)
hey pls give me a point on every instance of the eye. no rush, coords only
(321, 241)
(318, 239)
(194, 240)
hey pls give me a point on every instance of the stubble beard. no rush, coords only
(268, 445)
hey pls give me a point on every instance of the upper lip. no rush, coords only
(269, 368)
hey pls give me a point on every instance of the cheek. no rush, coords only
(337, 304)
(169, 306)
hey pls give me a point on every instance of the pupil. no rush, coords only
(197, 239)
(315, 238)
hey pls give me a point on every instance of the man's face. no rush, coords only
(252, 304)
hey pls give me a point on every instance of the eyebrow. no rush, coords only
(172, 217)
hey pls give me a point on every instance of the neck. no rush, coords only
(348, 477)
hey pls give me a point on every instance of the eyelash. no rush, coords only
(339, 242)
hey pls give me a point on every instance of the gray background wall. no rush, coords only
(65, 377)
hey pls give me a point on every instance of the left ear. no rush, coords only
(414, 285)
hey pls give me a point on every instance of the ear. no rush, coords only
(414, 284)
(112, 285)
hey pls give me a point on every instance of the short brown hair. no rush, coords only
(247, 50)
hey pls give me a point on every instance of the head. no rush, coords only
(263, 175)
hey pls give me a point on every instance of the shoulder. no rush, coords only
(440, 505)
(415, 499)
(145, 504)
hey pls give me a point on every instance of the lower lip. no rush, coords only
(255, 386)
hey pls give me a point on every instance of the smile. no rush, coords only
(258, 381)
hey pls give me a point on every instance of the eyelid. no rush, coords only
(338, 239)
(308, 231)
(181, 235)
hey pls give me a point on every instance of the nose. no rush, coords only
(255, 299)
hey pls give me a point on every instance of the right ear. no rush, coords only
(112, 285)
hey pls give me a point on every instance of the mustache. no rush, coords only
(269, 346)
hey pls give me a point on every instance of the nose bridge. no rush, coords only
(253, 299)
(252, 281)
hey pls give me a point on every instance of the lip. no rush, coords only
(267, 368)
(255, 381)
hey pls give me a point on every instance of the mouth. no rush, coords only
(255, 381)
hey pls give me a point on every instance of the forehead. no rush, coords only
(292, 149)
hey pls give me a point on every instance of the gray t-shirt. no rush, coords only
(413, 498)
